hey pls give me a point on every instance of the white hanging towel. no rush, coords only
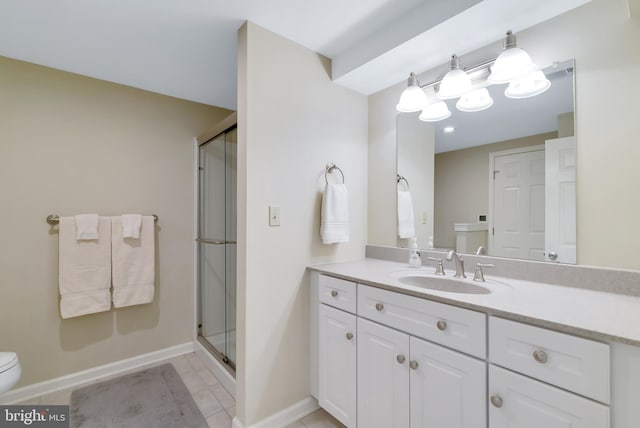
(86, 226)
(334, 219)
(84, 269)
(133, 263)
(131, 224)
(406, 226)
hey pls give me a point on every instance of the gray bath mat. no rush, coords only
(152, 398)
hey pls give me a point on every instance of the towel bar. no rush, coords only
(54, 219)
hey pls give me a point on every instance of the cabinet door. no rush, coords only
(448, 389)
(383, 376)
(520, 402)
(337, 364)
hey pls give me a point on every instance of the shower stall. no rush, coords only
(217, 165)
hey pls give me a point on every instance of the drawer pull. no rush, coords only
(400, 358)
(379, 307)
(442, 325)
(349, 336)
(540, 356)
(334, 293)
(413, 365)
(496, 400)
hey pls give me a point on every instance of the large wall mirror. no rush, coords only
(501, 180)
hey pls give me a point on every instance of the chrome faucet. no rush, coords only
(452, 255)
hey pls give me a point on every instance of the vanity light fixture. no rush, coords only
(513, 66)
(455, 83)
(476, 100)
(512, 62)
(448, 129)
(413, 97)
(435, 112)
(530, 85)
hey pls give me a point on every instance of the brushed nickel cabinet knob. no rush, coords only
(400, 358)
(379, 307)
(442, 325)
(540, 356)
(496, 400)
(334, 293)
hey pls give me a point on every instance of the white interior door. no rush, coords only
(560, 200)
(518, 226)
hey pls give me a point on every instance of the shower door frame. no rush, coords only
(226, 125)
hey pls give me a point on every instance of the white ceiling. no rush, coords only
(187, 48)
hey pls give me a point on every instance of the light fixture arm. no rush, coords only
(483, 65)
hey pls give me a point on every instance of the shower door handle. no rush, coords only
(214, 241)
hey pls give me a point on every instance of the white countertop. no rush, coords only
(598, 315)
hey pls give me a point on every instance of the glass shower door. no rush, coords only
(217, 248)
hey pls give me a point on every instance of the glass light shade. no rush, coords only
(531, 85)
(435, 112)
(511, 64)
(412, 99)
(454, 84)
(476, 100)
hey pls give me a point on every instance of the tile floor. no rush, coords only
(213, 400)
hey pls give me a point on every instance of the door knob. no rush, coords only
(552, 255)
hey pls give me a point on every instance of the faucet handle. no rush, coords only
(439, 266)
(479, 275)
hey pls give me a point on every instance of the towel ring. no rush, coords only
(401, 178)
(329, 169)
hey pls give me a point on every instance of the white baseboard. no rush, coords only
(86, 376)
(284, 417)
(225, 378)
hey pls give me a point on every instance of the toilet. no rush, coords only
(10, 371)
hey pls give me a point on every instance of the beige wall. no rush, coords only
(292, 120)
(466, 172)
(605, 43)
(71, 144)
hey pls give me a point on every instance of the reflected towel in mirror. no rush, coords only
(406, 225)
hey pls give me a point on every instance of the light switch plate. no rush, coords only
(274, 215)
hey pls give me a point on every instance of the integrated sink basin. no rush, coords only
(450, 285)
(425, 279)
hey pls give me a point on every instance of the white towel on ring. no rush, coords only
(334, 221)
(133, 262)
(84, 277)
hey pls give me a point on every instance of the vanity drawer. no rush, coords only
(450, 326)
(338, 293)
(570, 362)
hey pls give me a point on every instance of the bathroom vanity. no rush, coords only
(398, 347)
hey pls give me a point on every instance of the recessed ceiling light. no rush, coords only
(448, 129)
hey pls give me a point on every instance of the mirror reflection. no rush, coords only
(499, 181)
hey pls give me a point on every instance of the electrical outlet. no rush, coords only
(274, 215)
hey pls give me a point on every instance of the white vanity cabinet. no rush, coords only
(337, 359)
(579, 366)
(337, 349)
(375, 373)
